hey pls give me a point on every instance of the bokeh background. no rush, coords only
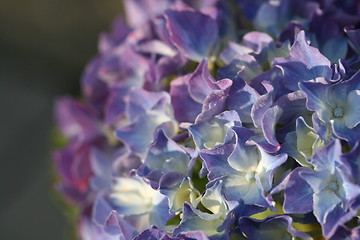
(44, 47)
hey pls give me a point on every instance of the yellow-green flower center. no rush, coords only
(250, 176)
(338, 112)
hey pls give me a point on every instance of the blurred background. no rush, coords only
(44, 47)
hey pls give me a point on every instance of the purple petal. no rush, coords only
(305, 63)
(269, 121)
(92, 87)
(257, 41)
(77, 121)
(193, 235)
(260, 106)
(215, 103)
(101, 210)
(140, 11)
(164, 157)
(186, 109)
(298, 195)
(152, 234)
(241, 99)
(73, 164)
(216, 161)
(201, 83)
(342, 233)
(115, 105)
(353, 159)
(116, 225)
(160, 70)
(193, 33)
(140, 102)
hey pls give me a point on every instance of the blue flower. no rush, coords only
(165, 157)
(135, 201)
(302, 143)
(146, 111)
(245, 169)
(329, 183)
(336, 105)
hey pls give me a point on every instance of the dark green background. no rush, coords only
(44, 46)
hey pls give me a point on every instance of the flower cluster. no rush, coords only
(218, 119)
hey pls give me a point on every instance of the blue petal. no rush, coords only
(298, 195)
(237, 188)
(352, 115)
(232, 50)
(324, 158)
(316, 96)
(216, 161)
(166, 154)
(352, 158)
(116, 225)
(335, 48)
(317, 180)
(341, 131)
(241, 99)
(244, 66)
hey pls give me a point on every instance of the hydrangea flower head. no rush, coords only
(218, 119)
